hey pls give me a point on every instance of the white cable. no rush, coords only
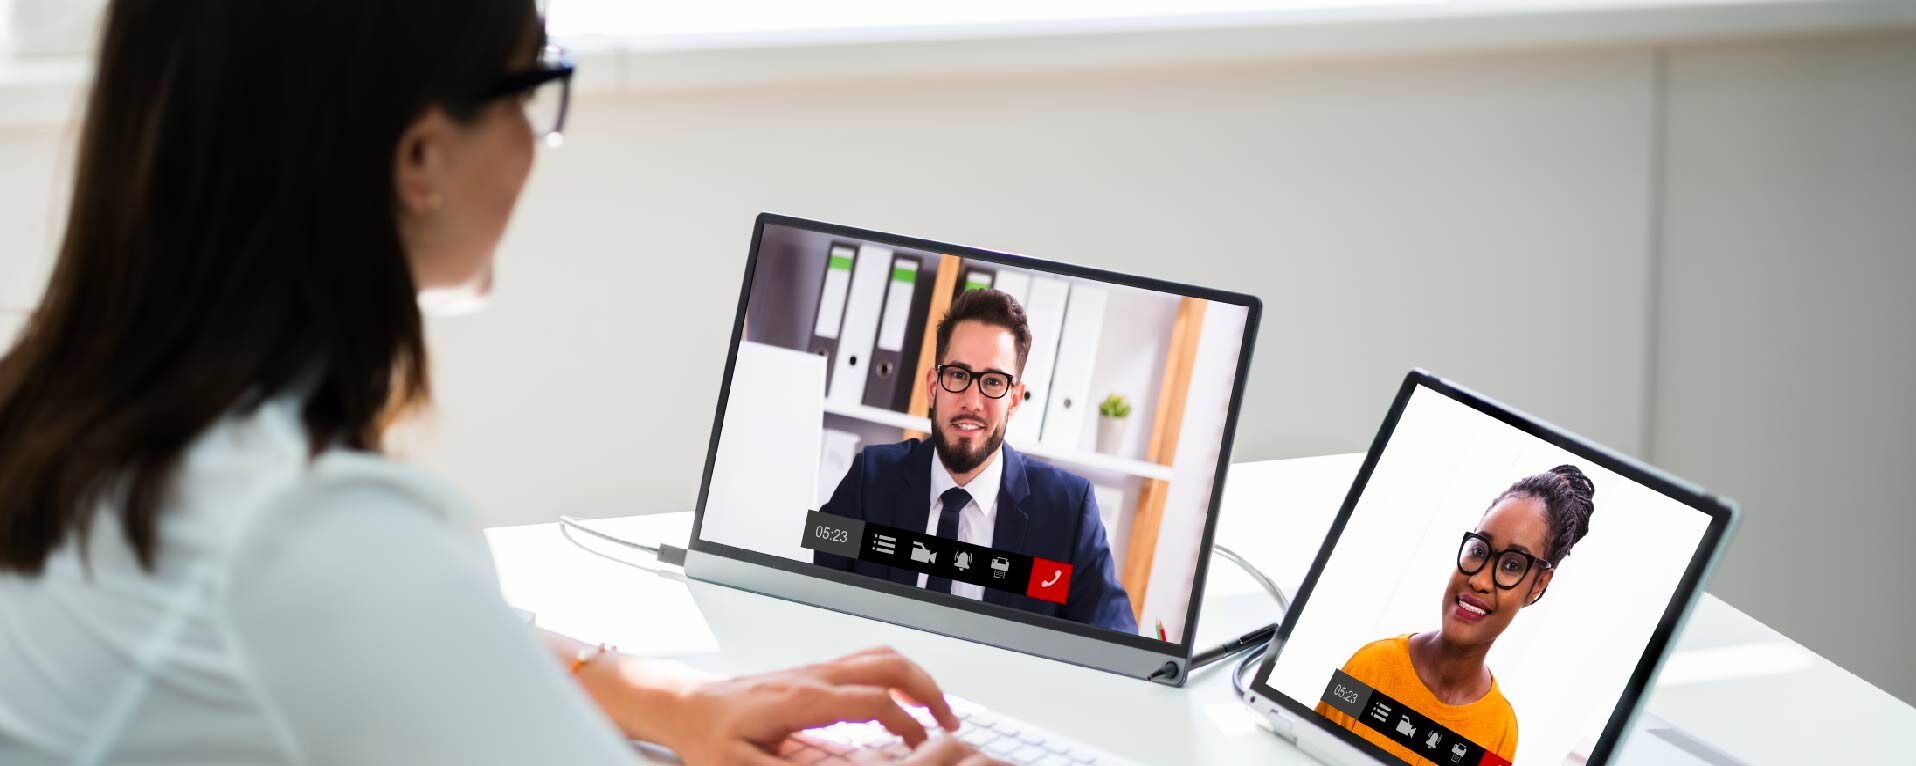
(670, 555)
(568, 521)
(1283, 602)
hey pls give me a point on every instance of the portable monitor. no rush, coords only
(1018, 452)
(1495, 590)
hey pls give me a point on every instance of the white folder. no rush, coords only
(886, 389)
(831, 296)
(870, 274)
(891, 335)
(1016, 284)
(1045, 316)
(831, 304)
(1065, 415)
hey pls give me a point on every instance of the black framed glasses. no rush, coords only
(545, 90)
(1512, 565)
(956, 379)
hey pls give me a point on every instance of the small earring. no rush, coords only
(435, 201)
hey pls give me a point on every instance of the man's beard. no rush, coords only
(957, 459)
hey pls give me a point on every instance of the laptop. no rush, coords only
(1494, 590)
(1019, 452)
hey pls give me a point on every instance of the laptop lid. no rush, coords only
(1084, 419)
(1494, 590)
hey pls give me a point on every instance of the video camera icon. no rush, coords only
(921, 554)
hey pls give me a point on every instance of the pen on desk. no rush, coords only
(1227, 649)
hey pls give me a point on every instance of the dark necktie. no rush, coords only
(954, 501)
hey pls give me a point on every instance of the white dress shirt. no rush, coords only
(332, 610)
(976, 520)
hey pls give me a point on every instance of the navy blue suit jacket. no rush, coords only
(1041, 511)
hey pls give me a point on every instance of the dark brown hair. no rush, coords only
(991, 307)
(1569, 499)
(232, 235)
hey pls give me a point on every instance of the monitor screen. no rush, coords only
(1489, 596)
(1009, 436)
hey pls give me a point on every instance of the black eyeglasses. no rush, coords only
(1512, 564)
(956, 379)
(545, 90)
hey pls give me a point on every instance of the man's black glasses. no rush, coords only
(545, 89)
(1512, 564)
(956, 379)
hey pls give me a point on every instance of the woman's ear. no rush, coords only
(420, 163)
(1541, 586)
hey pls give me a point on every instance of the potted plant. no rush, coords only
(1113, 417)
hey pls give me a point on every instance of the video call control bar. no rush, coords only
(1404, 726)
(1033, 576)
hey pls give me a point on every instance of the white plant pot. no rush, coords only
(1111, 434)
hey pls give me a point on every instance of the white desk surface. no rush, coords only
(1732, 684)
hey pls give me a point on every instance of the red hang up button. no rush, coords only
(1050, 580)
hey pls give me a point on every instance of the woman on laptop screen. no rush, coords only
(1504, 565)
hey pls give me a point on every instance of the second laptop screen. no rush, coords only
(1488, 597)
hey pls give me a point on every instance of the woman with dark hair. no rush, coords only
(204, 557)
(1504, 565)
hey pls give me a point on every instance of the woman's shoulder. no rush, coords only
(255, 476)
(1496, 697)
(1505, 741)
(346, 526)
(337, 475)
(362, 493)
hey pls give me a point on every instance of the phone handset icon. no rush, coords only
(1050, 580)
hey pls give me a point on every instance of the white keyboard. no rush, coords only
(999, 736)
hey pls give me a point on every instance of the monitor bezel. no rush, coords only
(1722, 513)
(1077, 643)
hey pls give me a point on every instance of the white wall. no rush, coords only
(10, 324)
(32, 199)
(1786, 368)
(1363, 199)
(1501, 218)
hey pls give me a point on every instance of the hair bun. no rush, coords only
(1568, 497)
(1575, 480)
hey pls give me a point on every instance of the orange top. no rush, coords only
(1385, 666)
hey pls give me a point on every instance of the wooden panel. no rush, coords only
(942, 290)
(1162, 449)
